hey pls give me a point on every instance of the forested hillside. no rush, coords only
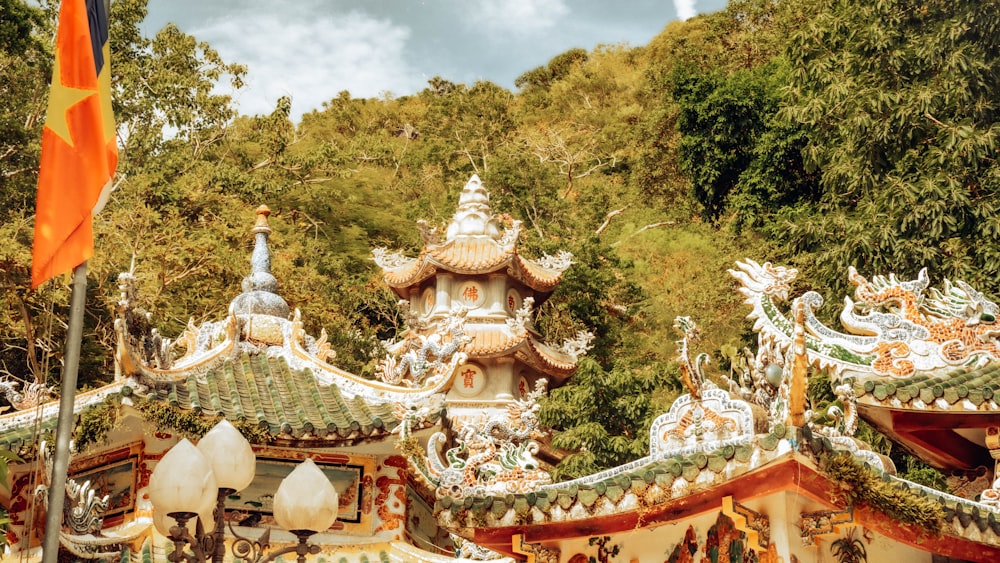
(817, 133)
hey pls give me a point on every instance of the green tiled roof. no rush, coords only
(975, 385)
(287, 402)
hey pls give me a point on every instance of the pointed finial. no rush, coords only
(263, 212)
(260, 287)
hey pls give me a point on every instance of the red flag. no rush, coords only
(79, 152)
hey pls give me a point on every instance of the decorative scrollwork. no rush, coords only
(560, 262)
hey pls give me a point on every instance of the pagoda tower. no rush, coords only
(477, 273)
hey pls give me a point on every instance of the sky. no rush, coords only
(313, 49)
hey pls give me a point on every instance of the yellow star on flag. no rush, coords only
(61, 99)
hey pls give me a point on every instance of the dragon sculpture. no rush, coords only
(34, 394)
(424, 358)
(497, 456)
(692, 372)
(894, 327)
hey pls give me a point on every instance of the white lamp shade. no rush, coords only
(163, 523)
(230, 455)
(183, 481)
(305, 500)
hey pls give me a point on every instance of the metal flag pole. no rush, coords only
(60, 459)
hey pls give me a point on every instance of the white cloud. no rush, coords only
(312, 57)
(517, 17)
(685, 9)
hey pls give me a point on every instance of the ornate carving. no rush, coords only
(390, 259)
(579, 345)
(416, 415)
(510, 234)
(85, 511)
(34, 394)
(893, 327)
(522, 317)
(692, 374)
(560, 262)
(704, 424)
(842, 421)
(823, 523)
(465, 549)
(426, 358)
(495, 456)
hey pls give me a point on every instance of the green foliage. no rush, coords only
(825, 133)
(95, 423)
(898, 102)
(861, 485)
(544, 76)
(595, 294)
(192, 425)
(604, 415)
(849, 549)
(740, 156)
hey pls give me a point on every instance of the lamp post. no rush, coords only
(190, 485)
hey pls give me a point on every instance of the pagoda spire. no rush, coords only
(260, 288)
(474, 216)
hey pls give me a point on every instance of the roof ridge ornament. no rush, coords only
(474, 217)
(260, 287)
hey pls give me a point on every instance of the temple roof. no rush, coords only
(497, 341)
(473, 244)
(668, 490)
(258, 364)
(924, 362)
(291, 404)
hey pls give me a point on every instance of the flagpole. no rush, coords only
(60, 460)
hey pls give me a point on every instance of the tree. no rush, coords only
(742, 158)
(543, 77)
(898, 100)
(604, 416)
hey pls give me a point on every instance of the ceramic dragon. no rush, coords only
(497, 455)
(894, 327)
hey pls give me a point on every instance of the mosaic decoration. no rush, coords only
(466, 549)
(536, 553)
(391, 487)
(705, 424)
(604, 553)
(724, 543)
(685, 551)
(756, 525)
(894, 328)
(496, 455)
(704, 419)
(824, 523)
(691, 371)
